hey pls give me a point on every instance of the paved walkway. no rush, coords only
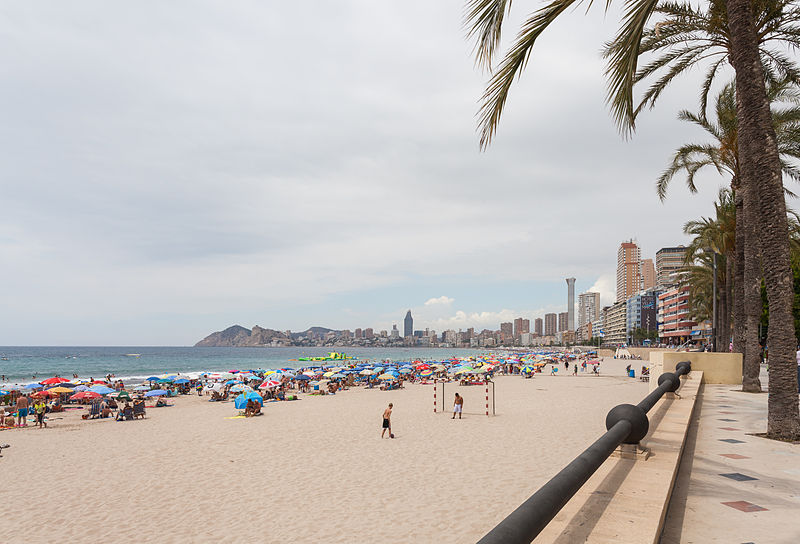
(734, 487)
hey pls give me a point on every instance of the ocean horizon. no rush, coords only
(25, 364)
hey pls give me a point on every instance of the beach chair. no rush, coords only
(139, 410)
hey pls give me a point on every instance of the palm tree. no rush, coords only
(718, 235)
(723, 155)
(686, 36)
(760, 180)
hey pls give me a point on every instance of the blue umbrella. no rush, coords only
(241, 401)
(182, 380)
(155, 393)
(101, 389)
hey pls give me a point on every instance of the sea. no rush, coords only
(28, 364)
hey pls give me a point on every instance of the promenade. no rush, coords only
(732, 486)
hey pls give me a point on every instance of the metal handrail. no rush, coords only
(625, 424)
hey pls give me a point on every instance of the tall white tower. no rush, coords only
(571, 304)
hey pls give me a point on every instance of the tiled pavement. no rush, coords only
(734, 487)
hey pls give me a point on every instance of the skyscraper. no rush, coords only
(648, 274)
(507, 331)
(588, 307)
(537, 324)
(629, 274)
(563, 321)
(668, 260)
(521, 326)
(408, 325)
(550, 324)
(570, 305)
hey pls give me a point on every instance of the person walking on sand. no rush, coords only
(458, 406)
(387, 421)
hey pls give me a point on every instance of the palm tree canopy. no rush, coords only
(683, 37)
(722, 153)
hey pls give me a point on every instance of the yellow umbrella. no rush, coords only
(60, 389)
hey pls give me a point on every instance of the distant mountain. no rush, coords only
(238, 336)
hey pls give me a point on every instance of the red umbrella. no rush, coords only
(53, 381)
(85, 395)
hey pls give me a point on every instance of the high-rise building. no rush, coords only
(668, 261)
(408, 325)
(629, 275)
(588, 307)
(507, 331)
(563, 321)
(521, 326)
(648, 274)
(570, 305)
(550, 324)
(537, 326)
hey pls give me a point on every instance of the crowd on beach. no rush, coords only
(111, 398)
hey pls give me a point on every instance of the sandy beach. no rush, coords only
(312, 470)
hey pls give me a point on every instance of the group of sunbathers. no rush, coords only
(253, 408)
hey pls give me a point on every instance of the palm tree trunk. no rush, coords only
(761, 169)
(751, 287)
(722, 309)
(738, 279)
(728, 296)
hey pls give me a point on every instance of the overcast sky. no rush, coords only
(173, 168)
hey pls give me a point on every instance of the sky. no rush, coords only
(174, 168)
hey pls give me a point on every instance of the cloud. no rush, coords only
(447, 301)
(606, 286)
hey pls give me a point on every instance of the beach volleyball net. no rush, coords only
(479, 399)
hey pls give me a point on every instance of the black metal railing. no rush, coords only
(625, 424)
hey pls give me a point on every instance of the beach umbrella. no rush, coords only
(60, 389)
(240, 402)
(240, 387)
(53, 381)
(85, 395)
(101, 389)
(155, 393)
